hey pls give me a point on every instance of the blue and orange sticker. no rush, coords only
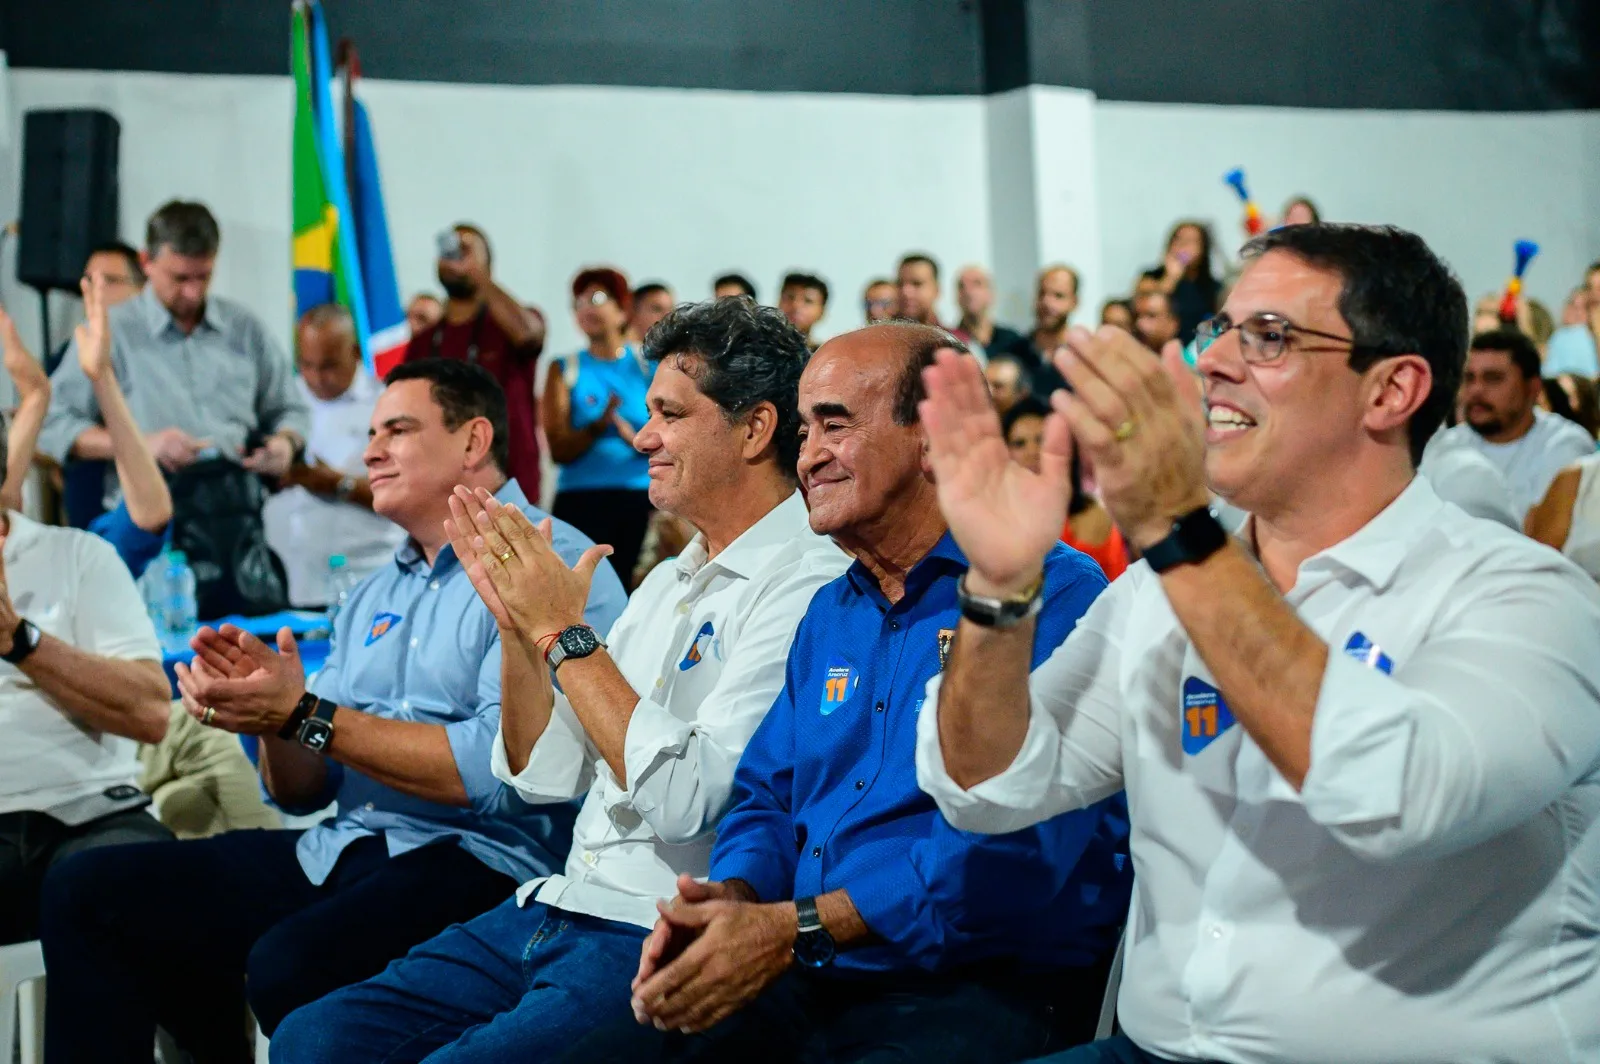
(1205, 715)
(698, 649)
(838, 684)
(381, 623)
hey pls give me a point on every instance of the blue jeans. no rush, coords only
(1116, 1050)
(512, 984)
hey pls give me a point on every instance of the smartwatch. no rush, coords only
(575, 641)
(24, 641)
(1195, 536)
(302, 710)
(316, 732)
(999, 613)
(813, 946)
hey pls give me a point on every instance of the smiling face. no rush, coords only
(856, 462)
(694, 451)
(414, 461)
(1270, 426)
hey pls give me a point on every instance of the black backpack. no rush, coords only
(216, 523)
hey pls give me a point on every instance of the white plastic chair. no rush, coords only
(21, 983)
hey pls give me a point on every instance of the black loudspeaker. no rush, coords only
(69, 194)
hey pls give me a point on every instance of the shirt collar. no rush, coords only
(409, 557)
(159, 318)
(751, 549)
(1377, 548)
(940, 560)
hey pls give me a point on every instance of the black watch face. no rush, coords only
(579, 642)
(314, 734)
(814, 949)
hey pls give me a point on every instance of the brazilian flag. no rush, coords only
(317, 277)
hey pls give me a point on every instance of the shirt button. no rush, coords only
(683, 607)
(413, 642)
(369, 807)
(878, 708)
(433, 585)
(405, 705)
(816, 851)
(894, 626)
(1217, 931)
(588, 858)
(860, 784)
(660, 682)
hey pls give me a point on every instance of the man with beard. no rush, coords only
(1054, 299)
(485, 325)
(1529, 446)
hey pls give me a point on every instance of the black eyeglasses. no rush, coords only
(1263, 337)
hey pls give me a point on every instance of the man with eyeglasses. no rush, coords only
(1360, 742)
(486, 325)
(879, 302)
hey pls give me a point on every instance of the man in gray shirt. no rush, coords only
(199, 371)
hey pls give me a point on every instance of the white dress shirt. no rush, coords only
(72, 585)
(305, 529)
(1432, 894)
(1466, 477)
(705, 643)
(1529, 464)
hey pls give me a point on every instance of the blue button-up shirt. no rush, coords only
(415, 642)
(826, 794)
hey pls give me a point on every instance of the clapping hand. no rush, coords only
(515, 569)
(24, 370)
(238, 683)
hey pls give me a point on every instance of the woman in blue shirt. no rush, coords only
(593, 404)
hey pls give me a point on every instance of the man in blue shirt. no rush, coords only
(844, 917)
(397, 727)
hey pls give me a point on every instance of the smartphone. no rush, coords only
(91, 807)
(450, 244)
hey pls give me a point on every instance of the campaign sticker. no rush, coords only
(697, 649)
(838, 684)
(381, 623)
(1368, 653)
(1205, 715)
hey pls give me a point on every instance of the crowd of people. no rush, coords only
(867, 698)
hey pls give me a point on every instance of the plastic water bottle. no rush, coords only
(341, 582)
(169, 595)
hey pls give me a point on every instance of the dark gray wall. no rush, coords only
(1445, 54)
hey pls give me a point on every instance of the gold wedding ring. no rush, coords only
(507, 556)
(206, 716)
(1124, 430)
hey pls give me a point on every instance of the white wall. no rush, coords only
(1469, 184)
(670, 184)
(682, 185)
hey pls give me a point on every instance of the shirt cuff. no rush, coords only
(1003, 803)
(1360, 745)
(757, 869)
(555, 768)
(654, 735)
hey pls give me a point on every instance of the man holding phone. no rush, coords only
(486, 325)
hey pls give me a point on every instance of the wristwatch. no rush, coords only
(302, 710)
(24, 641)
(575, 641)
(316, 731)
(999, 613)
(1195, 536)
(813, 946)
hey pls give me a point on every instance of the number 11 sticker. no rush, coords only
(1205, 715)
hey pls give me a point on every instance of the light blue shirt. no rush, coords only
(1571, 350)
(415, 642)
(610, 463)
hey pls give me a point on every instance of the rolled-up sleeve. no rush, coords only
(72, 408)
(279, 405)
(1071, 756)
(473, 738)
(1496, 715)
(680, 773)
(561, 764)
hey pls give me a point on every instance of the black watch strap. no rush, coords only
(1195, 536)
(302, 710)
(24, 641)
(806, 910)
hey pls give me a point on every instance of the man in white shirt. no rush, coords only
(325, 509)
(1360, 743)
(650, 723)
(80, 687)
(1500, 419)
